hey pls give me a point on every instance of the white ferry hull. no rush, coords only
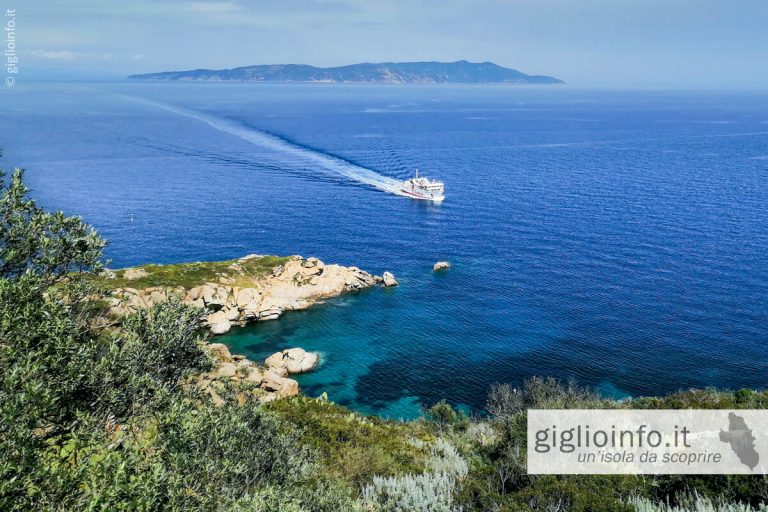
(416, 195)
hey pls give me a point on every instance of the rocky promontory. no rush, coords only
(236, 292)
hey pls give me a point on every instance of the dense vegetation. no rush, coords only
(94, 417)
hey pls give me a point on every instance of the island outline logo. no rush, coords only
(741, 440)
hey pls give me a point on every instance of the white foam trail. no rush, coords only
(325, 162)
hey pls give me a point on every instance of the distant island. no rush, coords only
(460, 72)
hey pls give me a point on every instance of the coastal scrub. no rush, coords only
(187, 275)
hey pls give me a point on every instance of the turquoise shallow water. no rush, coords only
(618, 238)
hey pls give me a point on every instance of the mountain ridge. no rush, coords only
(383, 72)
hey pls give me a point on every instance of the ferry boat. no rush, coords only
(424, 188)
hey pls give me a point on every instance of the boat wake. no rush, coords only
(317, 160)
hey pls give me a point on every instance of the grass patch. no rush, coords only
(189, 275)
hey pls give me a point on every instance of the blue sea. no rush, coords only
(618, 238)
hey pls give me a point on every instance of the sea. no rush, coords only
(618, 238)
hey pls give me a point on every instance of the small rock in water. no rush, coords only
(389, 279)
(441, 265)
(293, 360)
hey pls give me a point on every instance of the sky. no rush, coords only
(658, 43)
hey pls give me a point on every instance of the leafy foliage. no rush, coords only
(97, 418)
(33, 240)
(442, 415)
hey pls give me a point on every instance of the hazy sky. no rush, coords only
(707, 43)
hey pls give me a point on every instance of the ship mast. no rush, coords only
(417, 173)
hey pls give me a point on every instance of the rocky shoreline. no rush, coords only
(238, 297)
(237, 292)
(269, 382)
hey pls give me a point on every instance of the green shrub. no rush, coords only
(354, 448)
(93, 418)
(442, 415)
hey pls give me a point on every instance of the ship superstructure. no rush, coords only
(424, 188)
